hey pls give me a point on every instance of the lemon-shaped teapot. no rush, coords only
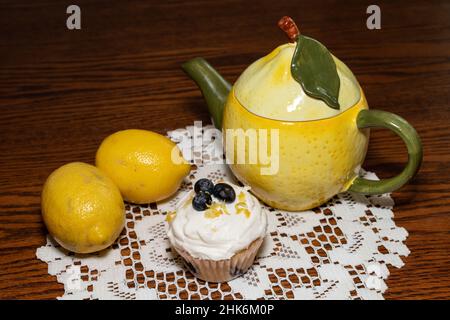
(295, 125)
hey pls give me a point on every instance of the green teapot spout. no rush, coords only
(214, 87)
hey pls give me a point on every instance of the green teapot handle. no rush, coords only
(377, 118)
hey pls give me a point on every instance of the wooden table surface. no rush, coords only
(62, 92)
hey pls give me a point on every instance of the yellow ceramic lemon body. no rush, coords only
(82, 208)
(145, 165)
(317, 159)
(320, 149)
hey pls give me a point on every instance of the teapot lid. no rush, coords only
(297, 81)
(267, 88)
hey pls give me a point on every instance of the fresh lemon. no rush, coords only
(146, 166)
(82, 208)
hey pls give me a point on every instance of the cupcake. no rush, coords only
(217, 229)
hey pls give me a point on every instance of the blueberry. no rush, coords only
(201, 201)
(224, 192)
(204, 185)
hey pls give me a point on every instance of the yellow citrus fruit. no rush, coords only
(146, 166)
(82, 208)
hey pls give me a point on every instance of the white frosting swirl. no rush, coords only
(206, 235)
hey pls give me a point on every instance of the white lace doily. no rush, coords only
(340, 250)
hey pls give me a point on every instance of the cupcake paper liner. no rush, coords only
(222, 270)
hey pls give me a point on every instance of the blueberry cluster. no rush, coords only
(205, 189)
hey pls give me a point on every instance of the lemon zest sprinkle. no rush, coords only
(216, 210)
(170, 216)
(241, 207)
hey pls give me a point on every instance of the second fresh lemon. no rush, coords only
(145, 165)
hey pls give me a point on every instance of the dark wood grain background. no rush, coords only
(62, 92)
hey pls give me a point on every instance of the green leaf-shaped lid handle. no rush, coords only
(313, 66)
